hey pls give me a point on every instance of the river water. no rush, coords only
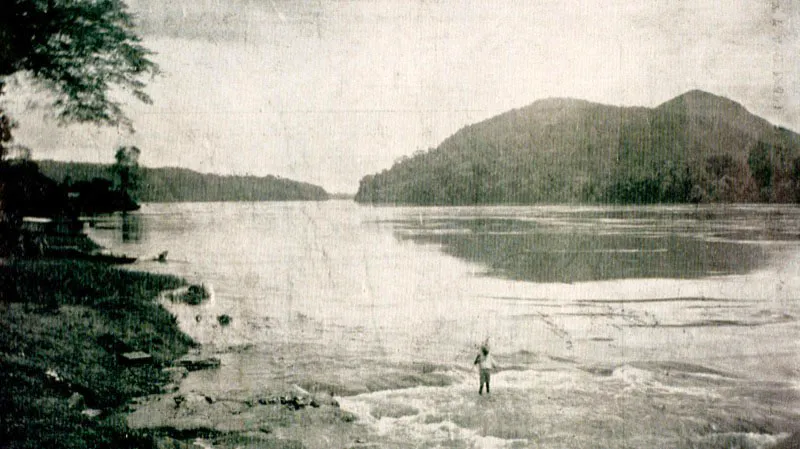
(658, 326)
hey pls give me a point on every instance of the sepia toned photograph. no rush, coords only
(311, 224)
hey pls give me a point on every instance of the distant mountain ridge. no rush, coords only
(184, 185)
(697, 147)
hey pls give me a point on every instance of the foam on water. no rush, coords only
(539, 408)
(445, 413)
(428, 420)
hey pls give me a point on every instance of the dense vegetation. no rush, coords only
(64, 324)
(27, 191)
(178, 184)
(83, 53)
(697, 147)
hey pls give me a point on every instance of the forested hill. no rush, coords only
(697, 147)
(179, 184)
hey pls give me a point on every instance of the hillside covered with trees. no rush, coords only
(179, 184)
(697, 147)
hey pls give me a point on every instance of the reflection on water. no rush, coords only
(539, 243)
(131, 228)
(112, 230)
(578, 244)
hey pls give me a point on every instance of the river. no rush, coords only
(615, 326)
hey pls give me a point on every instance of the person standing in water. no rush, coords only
(485, 364)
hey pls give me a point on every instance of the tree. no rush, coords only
(78, 49)
(6, 125)
(761, 168)
(125, 171)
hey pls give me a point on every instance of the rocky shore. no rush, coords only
(90, 358)
(283, 417)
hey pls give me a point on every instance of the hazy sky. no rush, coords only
(328, 91)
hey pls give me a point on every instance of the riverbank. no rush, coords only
(66, 326)
(89, 358)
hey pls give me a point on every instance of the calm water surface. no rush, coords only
(347, 296)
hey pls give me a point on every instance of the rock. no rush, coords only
(195, 295)
(58, 383)
(91, 412)
(295, 402)
(53, 375)
(162, 256)
(192, 402)
(76, 400)
(196, 362)
(176, 373)
(170, 388)
(135, 358)
(297, 398)
(347, 417)
(297, 390)
(192, 295)
(200, 444)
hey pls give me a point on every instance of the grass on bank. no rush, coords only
(62, 327)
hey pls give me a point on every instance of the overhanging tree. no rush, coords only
(78, 49)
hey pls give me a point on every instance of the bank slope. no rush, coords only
(179, 184)
(696, 147)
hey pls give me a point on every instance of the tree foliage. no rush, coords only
(760, 161)
(179, 184)
(125, 171)
(697, 147)
(79, 49)
(6, 125)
